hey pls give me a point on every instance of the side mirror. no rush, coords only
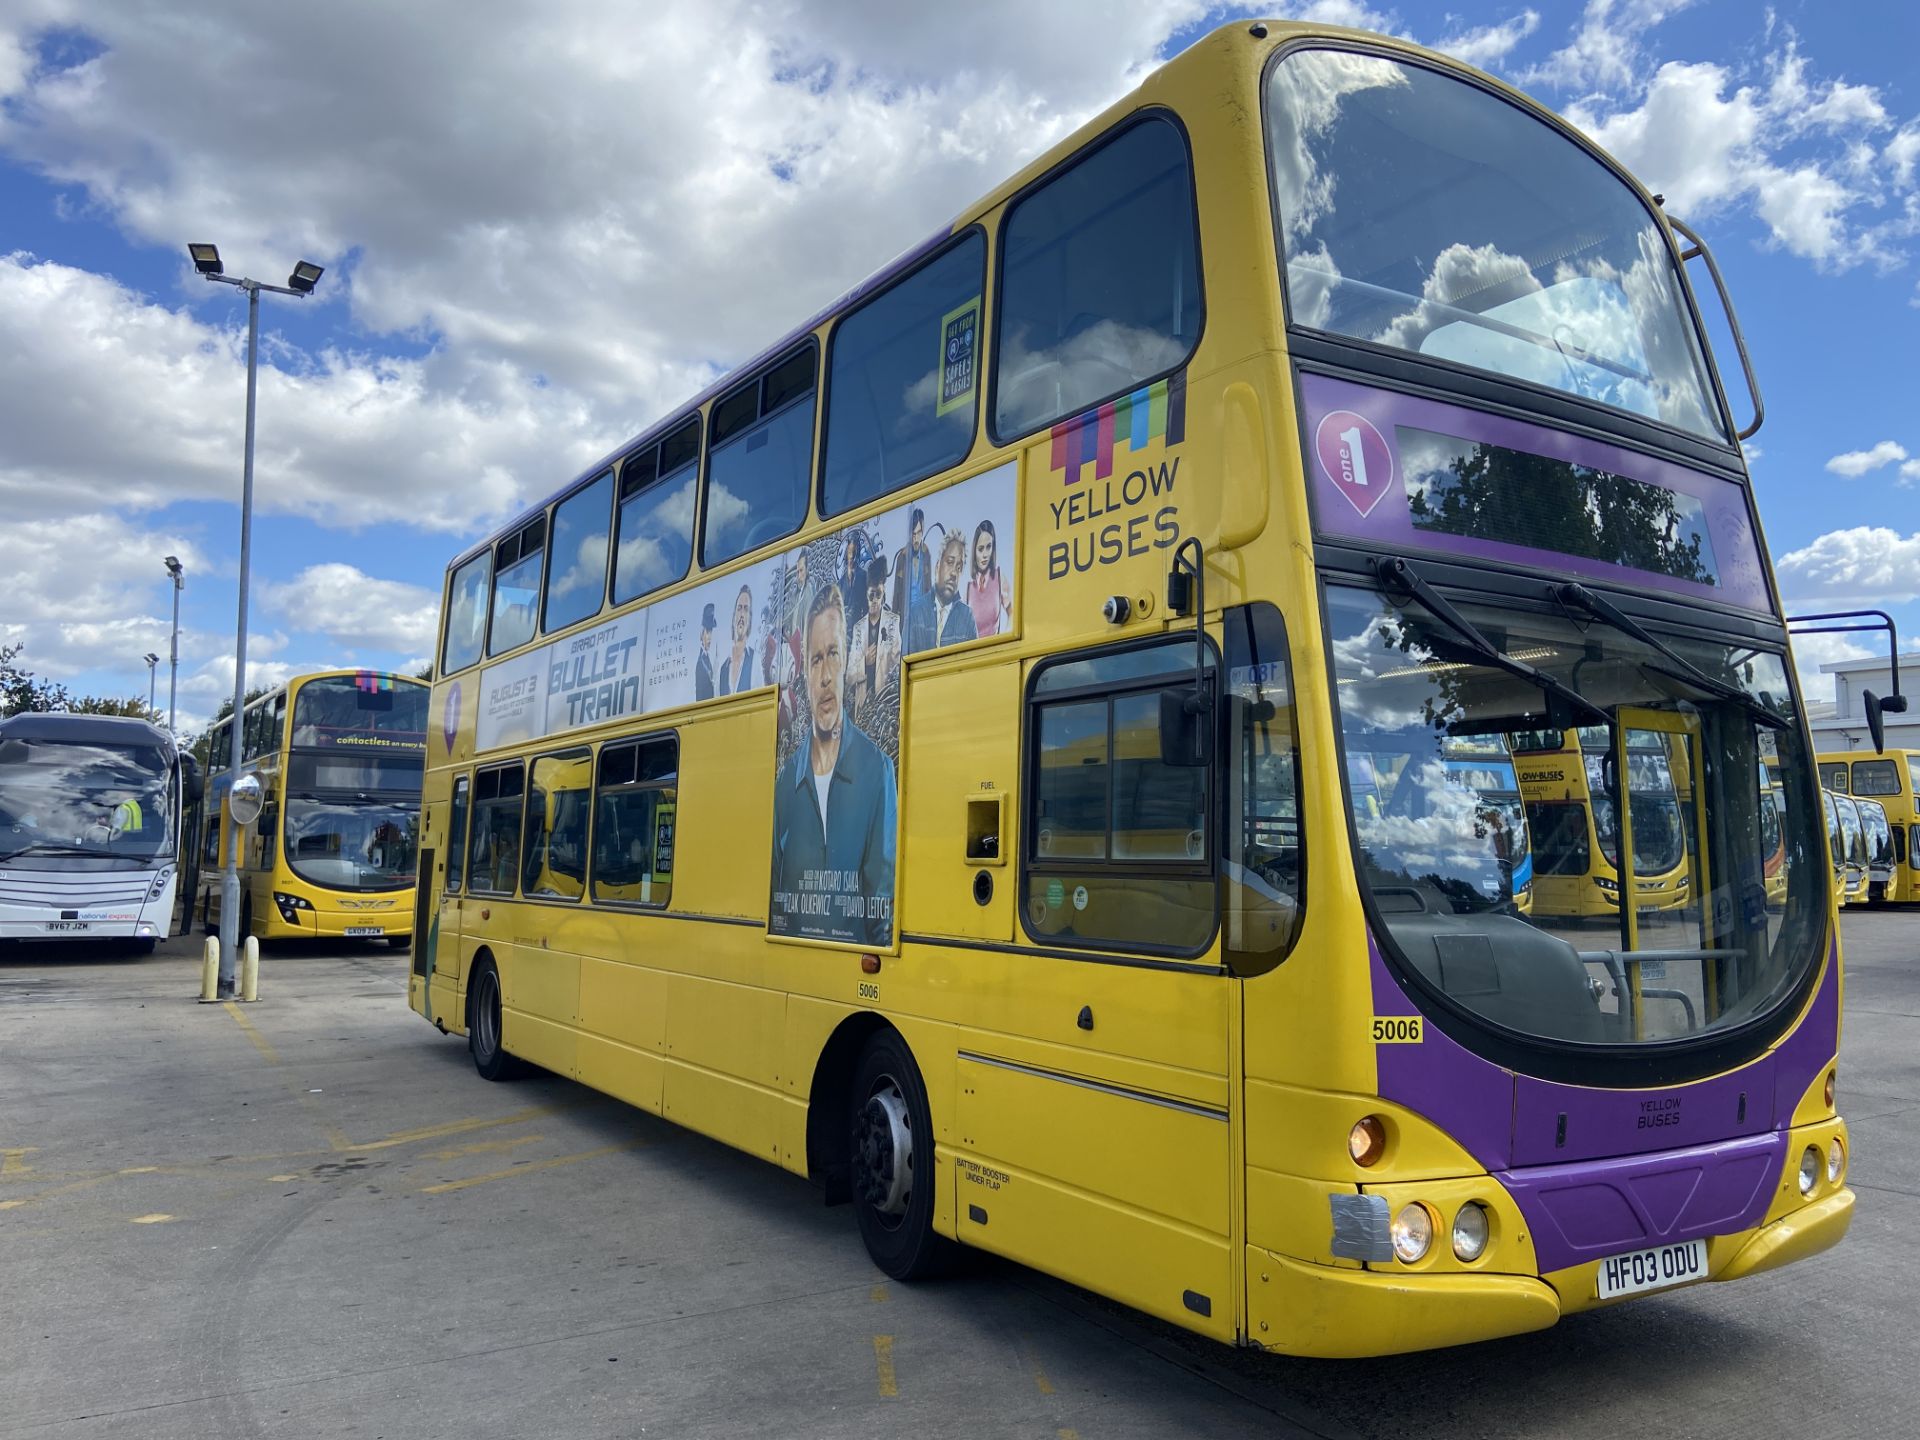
(193, 784)
(1186, 728)
(1877, 709)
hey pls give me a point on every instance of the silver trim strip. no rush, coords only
(1187, 1106)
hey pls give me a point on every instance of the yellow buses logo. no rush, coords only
(1100, 458)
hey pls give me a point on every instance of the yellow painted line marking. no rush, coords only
(1065, 1434)
(484, 1147)
(457, 1127)
(11, 1204)
(879, 1296)
(259, 1040)
(14, 1161)
(91, 1180)
(155, 1219)
(532, 1167)
(282, 1179)
(883, 1363)
(1040, 1380)
(141, 1170)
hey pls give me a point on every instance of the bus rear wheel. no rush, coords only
(890, 1147)
(485, 1035)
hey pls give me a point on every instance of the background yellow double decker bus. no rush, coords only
(340, 756)
(1572, 813)
(1892, 779)
(956, 708)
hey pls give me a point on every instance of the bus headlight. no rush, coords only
(1809, 1170)
(1412, 1232)
(1836, 1160)
(159, 883)
(291, 906)
(1471, 1229)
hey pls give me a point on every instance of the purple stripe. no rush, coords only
(1729, 518)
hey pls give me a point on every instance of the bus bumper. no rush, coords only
(1818, 1227)
(1343, 1314)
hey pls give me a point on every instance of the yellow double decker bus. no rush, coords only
(1572, 811)
(340, 757)
(958, 706)
(1893, 780)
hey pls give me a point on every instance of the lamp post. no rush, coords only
(206, 259)
(173, 649)
(153, 662)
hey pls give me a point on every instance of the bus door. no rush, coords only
(440, 900)
(1670, 959)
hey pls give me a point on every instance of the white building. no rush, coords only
(1845, 727)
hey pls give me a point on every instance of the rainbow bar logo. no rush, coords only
(373, 684)
(1153, 412)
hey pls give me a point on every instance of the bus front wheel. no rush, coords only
(890, 1145)
(485, 1036)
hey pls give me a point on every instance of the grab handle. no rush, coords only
(1733, 321)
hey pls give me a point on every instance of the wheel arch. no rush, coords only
(827, 1153)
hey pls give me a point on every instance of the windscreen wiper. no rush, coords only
(1602, 609)
(55, 847)
(1396, 571)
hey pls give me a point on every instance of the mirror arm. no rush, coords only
(1876, 707)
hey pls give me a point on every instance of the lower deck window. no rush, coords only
(635, 801)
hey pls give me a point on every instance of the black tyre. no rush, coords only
(246, 919)
(399, 942)
(485, 1036)
(890, 1152)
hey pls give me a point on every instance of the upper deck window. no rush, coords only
(1100, 280)
(577, 579)
(516, 586)
(902, 377)
(655, 544)
(466, 614)
(758, 460)
(1423, 213)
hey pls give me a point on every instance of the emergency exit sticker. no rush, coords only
(1356, 457)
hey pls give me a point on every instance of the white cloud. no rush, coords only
(1487, 45)
(1606, 53)
(353, 608)
(1865, 564)
(1856, 463)
(1810, 652)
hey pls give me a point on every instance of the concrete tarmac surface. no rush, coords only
(309, 1217)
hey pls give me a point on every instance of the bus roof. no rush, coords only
(84, 729)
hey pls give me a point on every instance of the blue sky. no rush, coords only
(543, 228)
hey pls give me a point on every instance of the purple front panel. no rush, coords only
(1625, 1176)
(1596, 1208)
(1361, 495)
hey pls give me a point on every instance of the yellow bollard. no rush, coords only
(250, 970)
(210, 972)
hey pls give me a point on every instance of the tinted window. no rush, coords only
(466, 614)
(1261, 889)
(457, 835)
(577, 579)
(555, 862)
(1118, 851)
(757, 467)
(901, 381)
(1100, 280)
(1875, 777)
(656, 515)
(496, 830)
(516, 587)
(367, 711)
(1833, 775)
(1421, 212)
(635, 803)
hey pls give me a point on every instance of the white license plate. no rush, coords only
(353, 930)
(1653, 1269)
(67, 927)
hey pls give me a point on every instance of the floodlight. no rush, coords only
(173, 566)
(305, 276)
(206, 259)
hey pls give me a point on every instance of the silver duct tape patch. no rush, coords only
(1360, 1227)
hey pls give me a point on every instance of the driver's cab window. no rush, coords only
(1119, 851)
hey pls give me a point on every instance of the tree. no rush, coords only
(24, 693)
